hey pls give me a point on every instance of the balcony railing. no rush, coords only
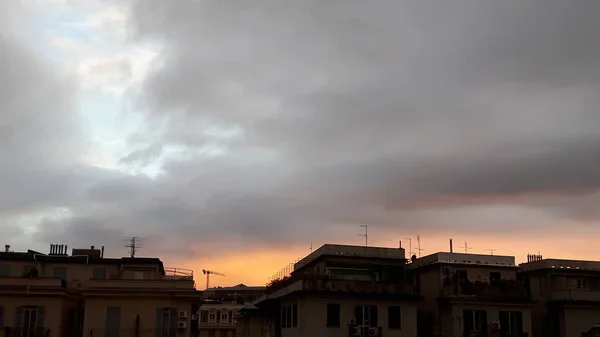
(45, 282)
(323, 283)
(501, 290)
(179, 284)
(179, 273)
(575, 295)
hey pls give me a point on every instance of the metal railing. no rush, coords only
(172, 332)
(24, 332)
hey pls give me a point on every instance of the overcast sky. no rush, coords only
(229, 135)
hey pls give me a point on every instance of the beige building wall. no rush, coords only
(578, 320)
(54, 308)
(131, 307)
(454, 316)
(312, 317)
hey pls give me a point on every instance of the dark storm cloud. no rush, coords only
(353, 113)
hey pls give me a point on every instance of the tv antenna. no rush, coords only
(466, 248)
(366, 235)
(419, 245)
(491, 250)
(133, 246)
(311, 246)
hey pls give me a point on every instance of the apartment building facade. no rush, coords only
(220, 308)
(471, 295)
(86, 294)
(567, 295)
(338, 290)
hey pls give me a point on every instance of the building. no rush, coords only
(87, 294)
(470, 295)
(338, 290)
(567, 293)
(220, 306)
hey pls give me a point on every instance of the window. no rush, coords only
(203, 316)
(333, 315)
(366, 315)
(582, 284)
(289, 315)
(1, 316)
(495, 277)
(474, 320)
(4, 270)
(394, 317)
(99, 272)
(511, 323)
(60, 272)
(30, 271)
(166, 322)
(212, 317)
(28, 319)
(138, 275)
(113, 321)
(224, 317)
(463, 277)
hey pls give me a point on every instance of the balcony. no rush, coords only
(591, 295)
(313, 283)
(40, 282)
(159, 284)
(504, 290)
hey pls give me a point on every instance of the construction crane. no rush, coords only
(208, 273)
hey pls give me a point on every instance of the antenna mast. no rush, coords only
(419, 245)
(492, 250)
(366, 235)
(311, 246)
(466, 248)
(410, 252)
(133, 246)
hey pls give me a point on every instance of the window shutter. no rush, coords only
(373, 316)
(159, 322)
(1, 316)
(173, 322)
(484, 320)
(41, 317)
(467, 321)
(230, 316)
(218, 316)
(19, 316)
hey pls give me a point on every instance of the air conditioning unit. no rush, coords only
(373, 331)
(356, 331)
(352, 321)
(183, 314)
(181, 325)
(495, 325)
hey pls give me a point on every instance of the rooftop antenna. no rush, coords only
(466, 248)
(492, 250)
(410, 252)
(311, 246)
(133, 246)
(419, 245)
(366, 235)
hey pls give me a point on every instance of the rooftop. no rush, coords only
(466, 259)
(353, 251)
(560, 264)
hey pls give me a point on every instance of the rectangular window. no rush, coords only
(511, 323)
(99, 273)
(212, 317)
(4, 270)
(463, 277)
(166, 322)
(295, 315)
(582, 284)
(474, 320)
(394, 317)
(138, 275)
(1, 316)
(224, 317)
(113, 321)
(366, 315)
(29, 271)
(333, 315)
(495, 277)
(60, 272)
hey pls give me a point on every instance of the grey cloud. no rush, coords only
(399, 115)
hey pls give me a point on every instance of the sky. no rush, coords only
(232, 136)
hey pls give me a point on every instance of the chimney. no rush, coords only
(61, 249)
(7, 248)
(451, 250)
(66, 252)
(400, 243)
(92, 247)
(52, 248)
(102, 253)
